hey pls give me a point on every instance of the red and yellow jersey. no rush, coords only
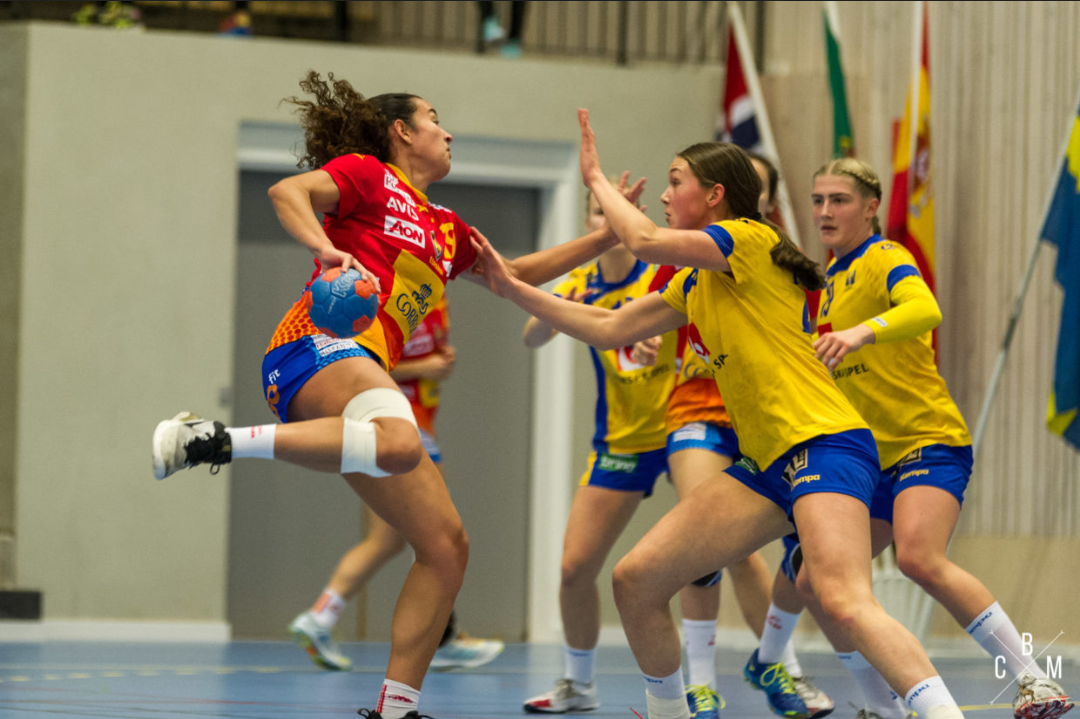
(750, 326)
(632, 398)
(411, 245)
(895, 386)
(430, 337)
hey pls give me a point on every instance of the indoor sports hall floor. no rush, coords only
(275, 680)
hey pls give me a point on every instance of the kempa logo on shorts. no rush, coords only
(796, 465)
(913, 473)
(618, 463)
(914, 455)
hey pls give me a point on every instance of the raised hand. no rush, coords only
(490, 266)
(590, 160)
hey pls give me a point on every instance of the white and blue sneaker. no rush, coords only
(466, 653)
(316, 641)
(704, 701)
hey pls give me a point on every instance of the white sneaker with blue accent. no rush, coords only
(466, 653)
(316, 641)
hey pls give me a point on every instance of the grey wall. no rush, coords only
(130, 181)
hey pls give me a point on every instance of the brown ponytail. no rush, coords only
(721, 163)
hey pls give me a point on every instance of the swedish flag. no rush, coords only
(1062, 228)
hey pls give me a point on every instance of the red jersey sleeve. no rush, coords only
(353, 175)
(464, 255)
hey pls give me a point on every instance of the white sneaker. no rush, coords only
(466, 653)
(316, 641)
(567, 696)
(867, 714)
(1039, 699)
(187, 440)
(817, 702)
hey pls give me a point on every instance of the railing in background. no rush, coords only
(617, 31)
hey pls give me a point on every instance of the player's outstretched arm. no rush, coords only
(600, 328)
(660, 245)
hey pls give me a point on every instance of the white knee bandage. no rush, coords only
(358, 438)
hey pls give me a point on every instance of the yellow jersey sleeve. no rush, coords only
(674, 293)
(914, 312)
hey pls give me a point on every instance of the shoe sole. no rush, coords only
(160, 471)
(467, 664)
(305, 643)
(1045, 710)
(535, 710)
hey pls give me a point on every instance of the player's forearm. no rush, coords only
(591, 325)
(537, 333)
(543, 266)
(915, 313)
(633, 228)
(297, 216)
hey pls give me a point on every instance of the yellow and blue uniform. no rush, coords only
(796, 430)
(629, 440)
(894, 382)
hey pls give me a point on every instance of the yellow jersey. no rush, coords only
(631, 398)
(895, 386)
(752, 327)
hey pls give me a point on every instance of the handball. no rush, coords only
(341, 304)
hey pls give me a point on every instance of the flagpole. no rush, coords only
(742, 45)
(1018, 303)
(916, 92)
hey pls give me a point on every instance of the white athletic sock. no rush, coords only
(779, 626)
(328, 609)
(580, 664)
(791, 662)
(880, 698)
(995, 633)
(701, 650)
(255, 442)
(929, 694)
(665, 697)
(397, 699)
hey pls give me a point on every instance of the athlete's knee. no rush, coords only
(447, 552)
(924, 568)
(629, 581)
(400, 450)
(576, 570)
(841, 603)
(380, 451)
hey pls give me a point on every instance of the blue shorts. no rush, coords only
(937, 465)
(427, 441)
(285, 369)
(845, 463)
(625, 472)
(792, 557)
(703, 435)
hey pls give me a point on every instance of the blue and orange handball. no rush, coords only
(341, 304)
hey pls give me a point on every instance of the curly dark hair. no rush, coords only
(340, 120)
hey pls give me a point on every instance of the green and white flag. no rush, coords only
(843, 139)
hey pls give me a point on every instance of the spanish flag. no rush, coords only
(1062, 228)
(910, 220)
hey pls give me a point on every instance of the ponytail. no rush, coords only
(786, 255)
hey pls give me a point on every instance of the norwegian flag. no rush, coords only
(738, 122)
